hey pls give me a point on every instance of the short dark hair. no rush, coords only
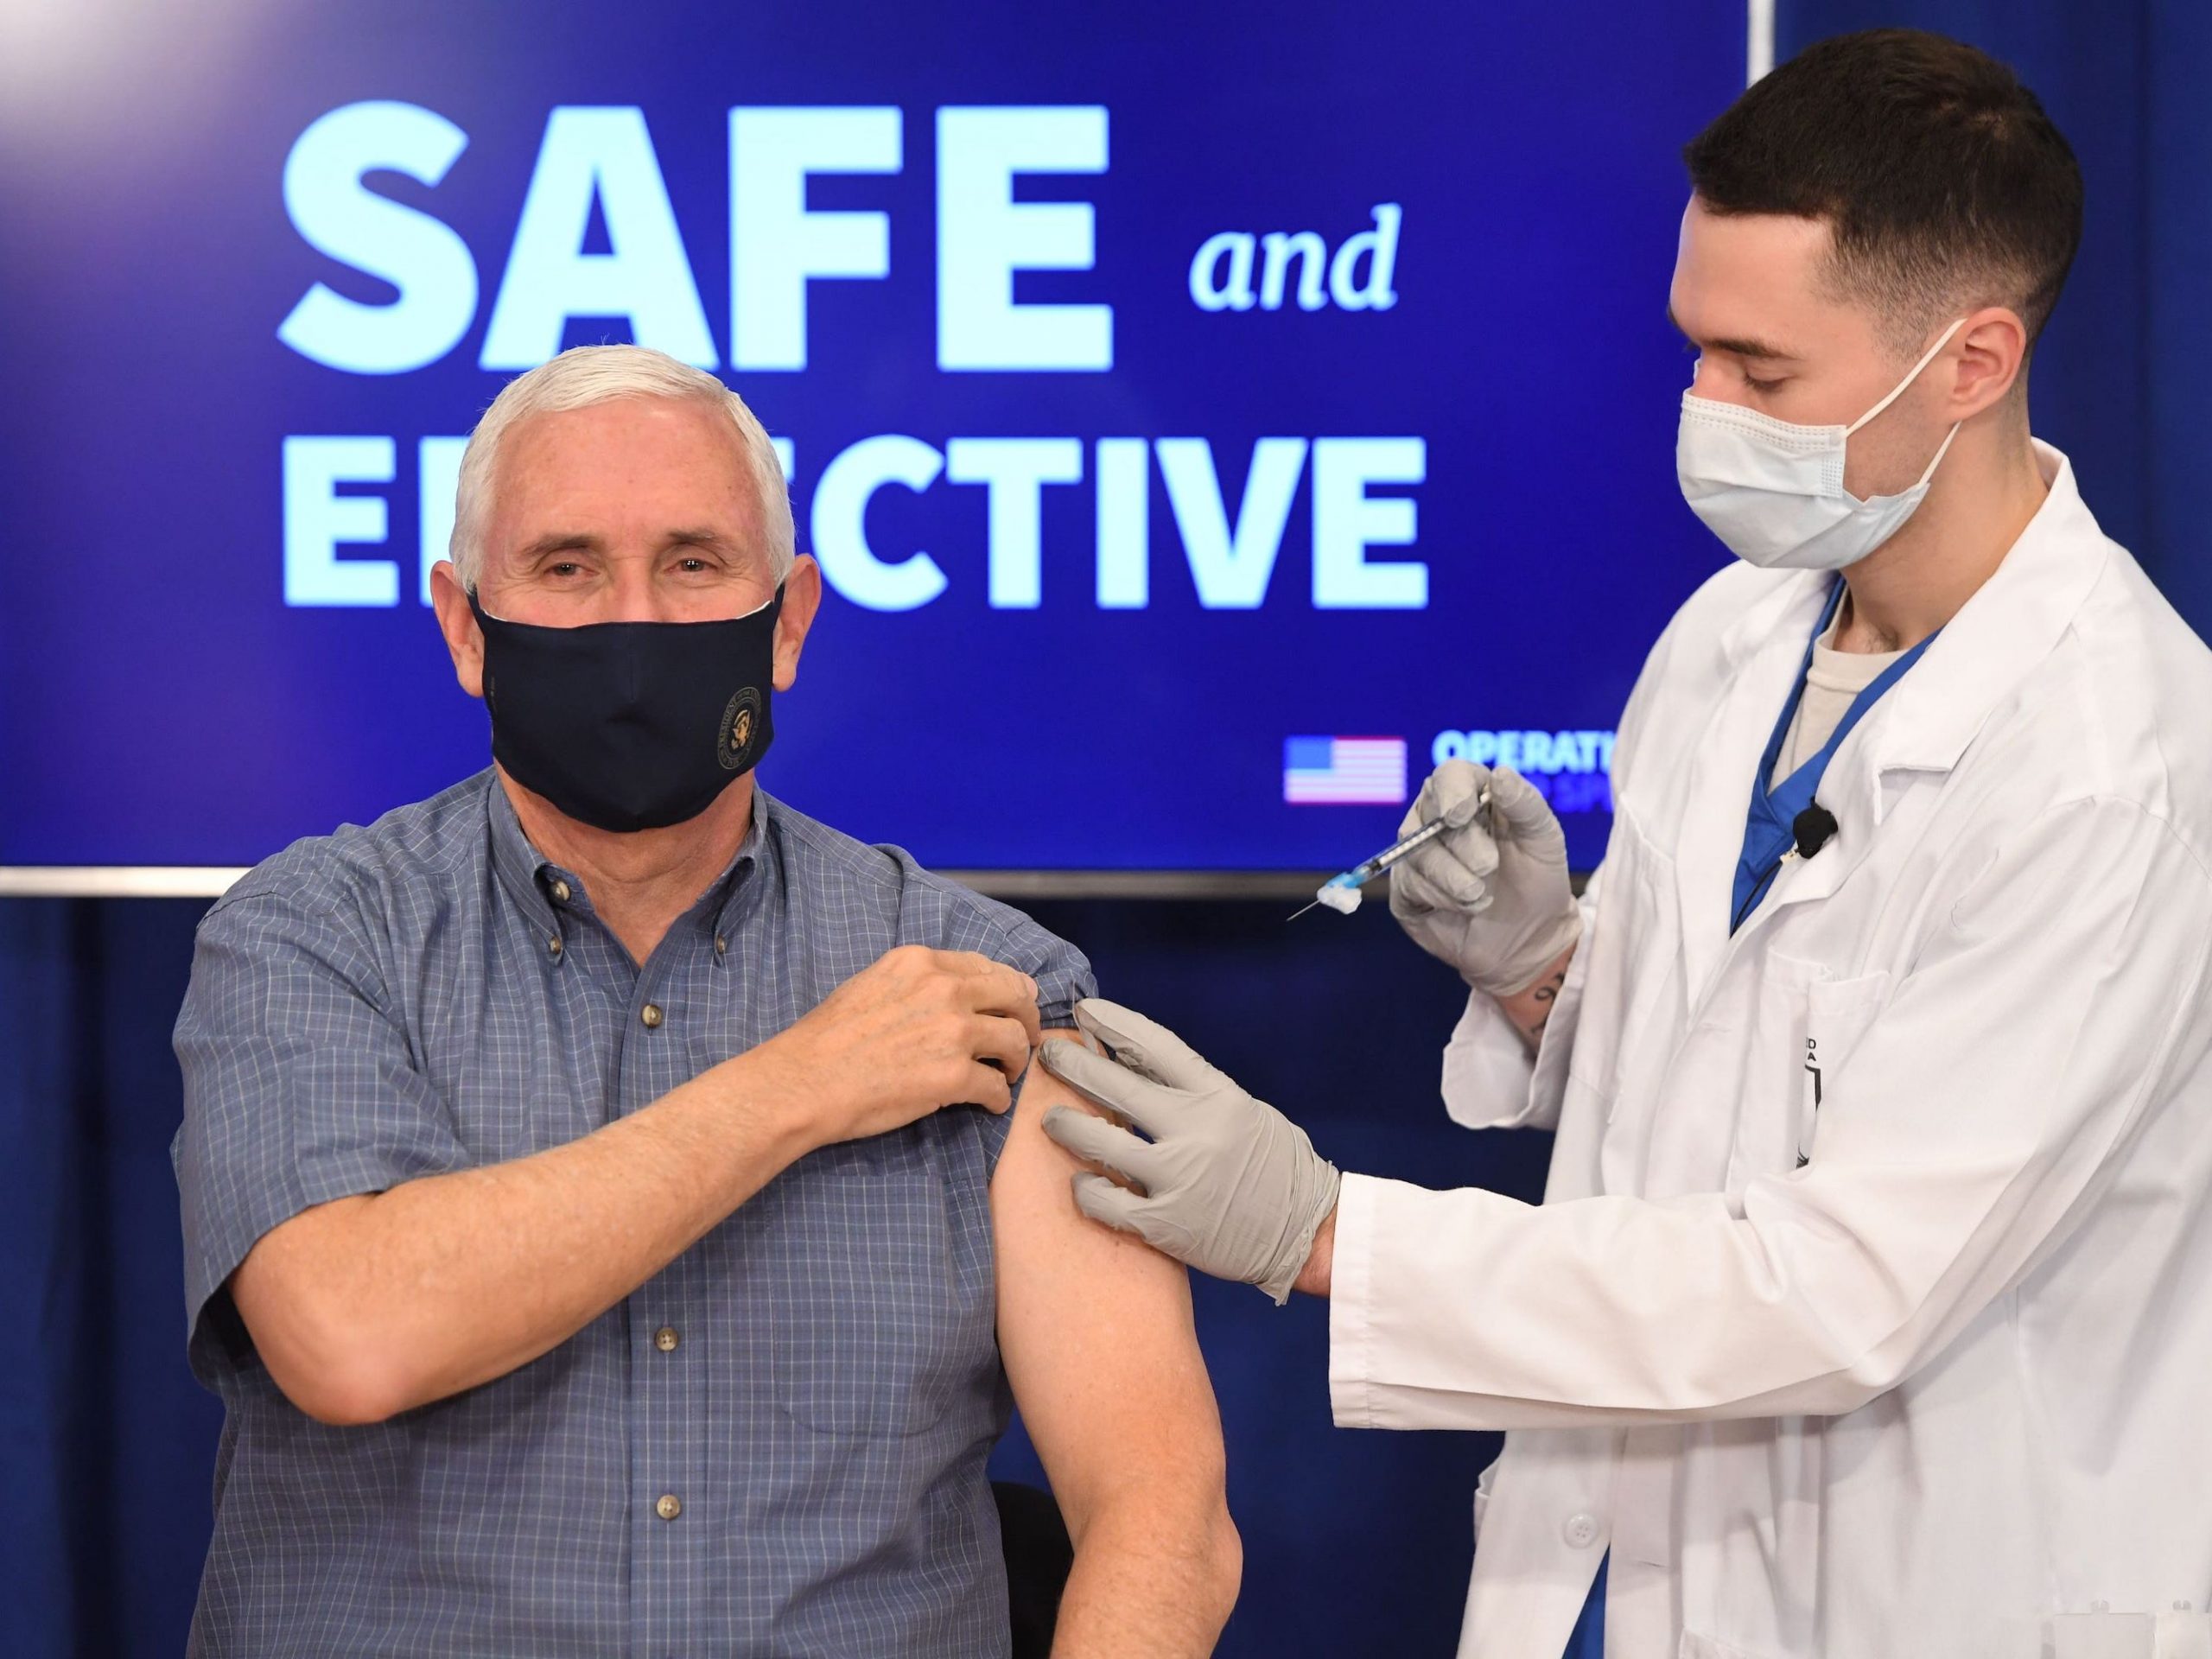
(1938, 173)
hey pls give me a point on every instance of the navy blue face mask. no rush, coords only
(629, 726)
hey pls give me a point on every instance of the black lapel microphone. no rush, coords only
(1813, 828)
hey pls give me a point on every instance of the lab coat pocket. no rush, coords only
(1837, 1013)
(1761, 1050)
(1798, 1028)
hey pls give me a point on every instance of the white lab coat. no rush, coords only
(1946, 1388)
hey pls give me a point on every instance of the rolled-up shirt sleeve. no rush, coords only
(1062, 972)
(963, 920)
(299, 1088)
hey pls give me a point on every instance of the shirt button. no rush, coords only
(651, 1014)
(553, 945)
(721, 946)
(1580, 1531)
(665, 1338)
(669, 1507)
(560, 892)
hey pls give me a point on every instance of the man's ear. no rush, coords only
(1993, 350)
(464, 639)
(802, 599)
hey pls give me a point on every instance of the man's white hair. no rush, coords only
(584, 376)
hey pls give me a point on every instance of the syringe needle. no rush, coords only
(1349, 884)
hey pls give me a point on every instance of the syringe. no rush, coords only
(1341, 892)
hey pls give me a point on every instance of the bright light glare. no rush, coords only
(90, 65)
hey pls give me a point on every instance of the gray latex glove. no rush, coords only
(1490, 895)
(1230, 1185)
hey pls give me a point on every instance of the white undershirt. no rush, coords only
(1832, 684)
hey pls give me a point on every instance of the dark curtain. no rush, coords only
(106, 1443)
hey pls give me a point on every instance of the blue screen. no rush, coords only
(1207, 417)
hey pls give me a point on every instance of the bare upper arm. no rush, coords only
(1095, 1329)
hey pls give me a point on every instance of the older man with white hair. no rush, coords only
(613, 1206)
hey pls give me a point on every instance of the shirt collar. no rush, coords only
(545, 889)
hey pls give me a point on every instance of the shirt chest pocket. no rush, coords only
(875, 1292)
(1802, 1028)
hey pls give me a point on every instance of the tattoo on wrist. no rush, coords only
(1546, 996)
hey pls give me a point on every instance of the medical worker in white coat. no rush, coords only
(1868, 1312)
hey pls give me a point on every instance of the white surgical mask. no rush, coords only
(1773, 490)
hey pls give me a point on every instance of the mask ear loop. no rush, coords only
(1899, 390)
(1903, 385)
(1938, 461)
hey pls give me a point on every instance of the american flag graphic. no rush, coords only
(1343, 771)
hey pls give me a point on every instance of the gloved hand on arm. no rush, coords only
(1231, 1186)
(1489, 896)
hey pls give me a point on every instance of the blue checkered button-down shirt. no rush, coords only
(776, 1444)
